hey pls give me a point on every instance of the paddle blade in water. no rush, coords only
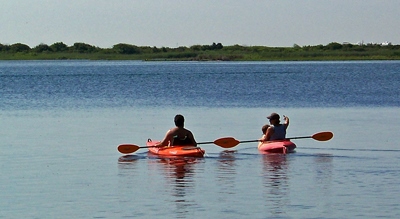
(127, 148)
(227, 142)
(322, 136)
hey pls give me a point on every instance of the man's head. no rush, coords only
(179, 120)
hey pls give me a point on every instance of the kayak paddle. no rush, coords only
(229, 142)
(130, 148)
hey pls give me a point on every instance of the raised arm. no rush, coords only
(286, 121)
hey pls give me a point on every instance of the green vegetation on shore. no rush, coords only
(215, 51)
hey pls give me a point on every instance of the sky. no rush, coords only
(174, 23)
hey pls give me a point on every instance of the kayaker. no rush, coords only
(264, 129)
(276, 131)
(178, 135)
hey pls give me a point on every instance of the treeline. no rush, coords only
(215, 51)
(120, 48)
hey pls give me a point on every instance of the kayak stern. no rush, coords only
(281, 146)
(175, 151)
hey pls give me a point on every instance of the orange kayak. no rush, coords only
(280, 146)
(175, 151)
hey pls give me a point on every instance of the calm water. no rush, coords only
(60, 123)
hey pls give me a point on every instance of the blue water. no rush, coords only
(74, 84)
(61, 121)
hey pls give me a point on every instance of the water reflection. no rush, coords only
(323, 179)
(179, 173)
(226, 170)
(178, 169)
(275, 175)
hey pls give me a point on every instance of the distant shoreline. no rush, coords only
(214, 52)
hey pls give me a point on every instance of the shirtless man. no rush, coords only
(178, 135)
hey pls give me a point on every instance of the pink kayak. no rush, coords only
(280, 146)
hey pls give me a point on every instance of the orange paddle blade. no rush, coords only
(227, 142)
(127, 148)
(322, 136)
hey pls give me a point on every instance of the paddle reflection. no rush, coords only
(127, 159)
(275, 175)
(127, 162)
